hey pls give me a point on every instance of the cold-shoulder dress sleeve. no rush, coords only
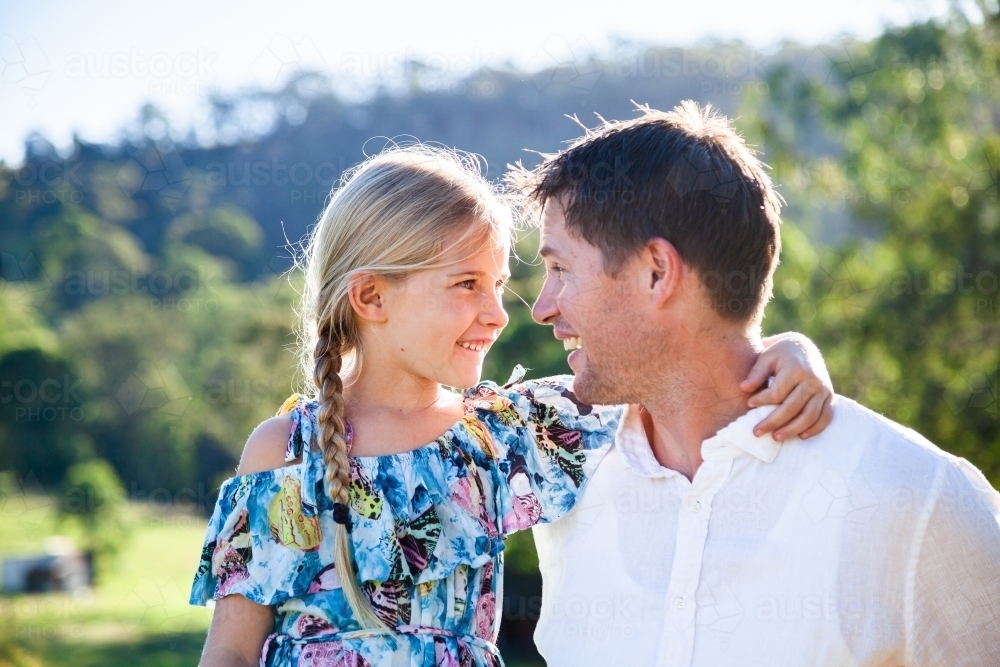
(546, 443)
(263, 539)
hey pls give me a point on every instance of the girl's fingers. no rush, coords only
(825, 417)
(785, 412)
(807, 418)
(757, 377)
(785, 381)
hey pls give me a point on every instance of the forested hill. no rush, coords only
(144, 317)
(306, 136)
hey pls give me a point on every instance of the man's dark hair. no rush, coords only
(685, 176)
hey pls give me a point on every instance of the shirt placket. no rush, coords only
(677, 641)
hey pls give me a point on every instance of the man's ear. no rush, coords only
(367, 295)
(662, 270)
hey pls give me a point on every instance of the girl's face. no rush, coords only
(440, 323)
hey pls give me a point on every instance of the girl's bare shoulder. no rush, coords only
(266, 446)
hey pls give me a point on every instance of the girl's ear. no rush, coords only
(367, 292)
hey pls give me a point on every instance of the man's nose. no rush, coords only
(544, 311)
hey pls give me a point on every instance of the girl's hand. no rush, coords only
(801, 385)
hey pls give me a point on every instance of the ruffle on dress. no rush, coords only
(520, 455)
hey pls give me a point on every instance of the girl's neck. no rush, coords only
(390, 391)
(393, 413)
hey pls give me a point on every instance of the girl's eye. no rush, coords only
(468, 284)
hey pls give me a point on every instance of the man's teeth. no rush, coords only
(477, 347)
(572, 343)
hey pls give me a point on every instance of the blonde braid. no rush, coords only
(333, 444)
(331, 415)
(404, 210)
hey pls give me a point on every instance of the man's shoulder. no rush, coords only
(854, 423)
(892, 454)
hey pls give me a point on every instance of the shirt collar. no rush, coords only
(632, 443)
(739, 432)
(635, 450)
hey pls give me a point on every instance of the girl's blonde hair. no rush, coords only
(396, 213)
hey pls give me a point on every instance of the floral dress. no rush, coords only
(427, 528)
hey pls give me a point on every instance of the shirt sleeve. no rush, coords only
(548, 446)
(262, 541)
(264, 536)
(955, 614)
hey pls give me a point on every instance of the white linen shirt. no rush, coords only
(863, 545)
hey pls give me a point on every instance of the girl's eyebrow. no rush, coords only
(505, 277)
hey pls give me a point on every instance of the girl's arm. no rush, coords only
(801, 386)
(236, 636)
(240, 626)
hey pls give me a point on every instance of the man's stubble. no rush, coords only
(628, 359)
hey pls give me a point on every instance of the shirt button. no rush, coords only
(680, 603)
(694, 506)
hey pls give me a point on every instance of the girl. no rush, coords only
(365, 525)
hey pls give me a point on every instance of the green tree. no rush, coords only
(94, 499)
(898, 141)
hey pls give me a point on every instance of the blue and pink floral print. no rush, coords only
(427, 529)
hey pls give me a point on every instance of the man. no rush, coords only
(697, 542)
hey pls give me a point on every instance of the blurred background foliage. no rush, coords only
(146, 302)
(903, 138)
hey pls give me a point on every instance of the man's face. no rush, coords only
(594, 313)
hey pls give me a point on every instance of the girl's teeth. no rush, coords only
(477, 347)
(572, 343)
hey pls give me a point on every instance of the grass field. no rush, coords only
(138, 613)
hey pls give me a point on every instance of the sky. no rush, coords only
(87, 68)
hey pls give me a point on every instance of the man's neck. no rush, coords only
(702, 396)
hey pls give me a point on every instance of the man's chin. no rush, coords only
(590, 390)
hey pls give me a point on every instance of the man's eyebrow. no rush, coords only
(547, 251)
